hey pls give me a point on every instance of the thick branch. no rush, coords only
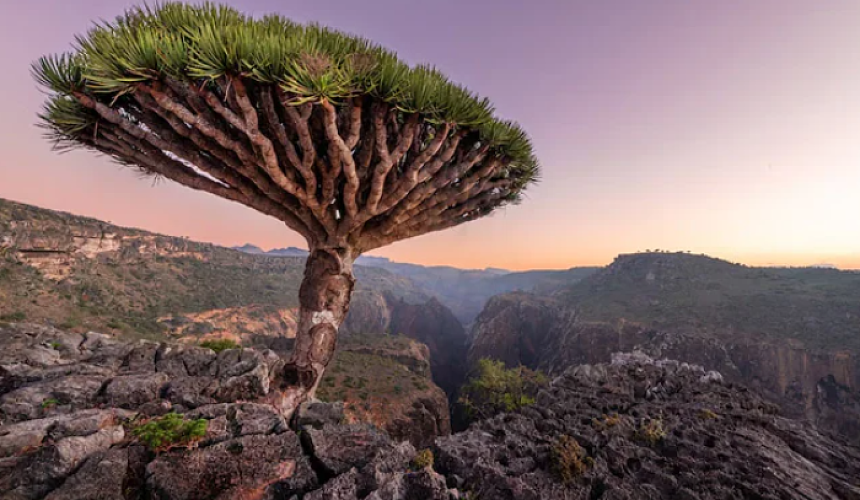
(388, 159)
(406, 209)
(199, 122)
(274, 123)
(347, 161)
(250, 126)
(411, 177)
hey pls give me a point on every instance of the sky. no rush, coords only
(730, 128)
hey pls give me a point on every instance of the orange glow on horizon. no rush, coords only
(724, 128)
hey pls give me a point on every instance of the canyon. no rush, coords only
(411, 338)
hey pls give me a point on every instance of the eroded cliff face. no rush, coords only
(514, 328)
(820, 386)
(54, 245)
(428, 322)
(249, 325)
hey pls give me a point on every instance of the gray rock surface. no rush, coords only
(649, 429)
(643, 428)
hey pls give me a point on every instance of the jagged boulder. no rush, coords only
(111, 475)
(339, 448)
(243, 467)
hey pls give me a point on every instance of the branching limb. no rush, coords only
(388, 159)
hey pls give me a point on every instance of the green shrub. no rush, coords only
(115, 324)
(15, 316)
(219, 345)
(49, 403)
(569, 459)
(423, 459)
(495, 389)
(169, 431)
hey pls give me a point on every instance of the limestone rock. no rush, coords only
(340, 448)
(244, 467)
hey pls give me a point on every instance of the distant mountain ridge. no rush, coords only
(464, 291)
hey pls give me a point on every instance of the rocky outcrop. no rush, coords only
(645, 429)
(69, 404)
(542, 333)
(265, 326)
(369, 313)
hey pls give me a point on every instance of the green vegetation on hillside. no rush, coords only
(220, 344)
(150, 276)
(373, 370)
(494, 389)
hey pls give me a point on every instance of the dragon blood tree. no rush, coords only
(327, 132)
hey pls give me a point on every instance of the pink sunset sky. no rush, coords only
(729, 127)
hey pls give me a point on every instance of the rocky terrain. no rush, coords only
(69, 404)
(73, 407)
(639, 428)
(782, 332)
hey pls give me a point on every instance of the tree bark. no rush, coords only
(324, 302)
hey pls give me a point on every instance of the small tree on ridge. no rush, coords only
(327, 132)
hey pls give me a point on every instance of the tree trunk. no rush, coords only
(324, 301)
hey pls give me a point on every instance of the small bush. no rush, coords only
(496, 389)
(56, 345)
(651, 432)
(219, 345)
(169, 431)
(115, 324)
(606, 422)
(15, 316)
(707, 414)
(49, 403)
(423, 459)
(569, 459)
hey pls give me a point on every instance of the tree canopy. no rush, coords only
(326, 131)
